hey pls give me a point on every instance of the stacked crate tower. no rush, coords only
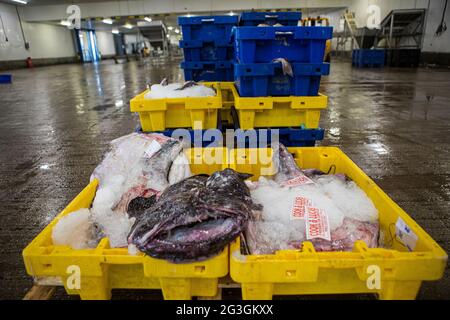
(207, 47)
(277, 72)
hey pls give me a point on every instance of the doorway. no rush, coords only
(87, 43)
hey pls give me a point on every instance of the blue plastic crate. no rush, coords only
(267, 79)
(290, 137)
(5, 78)
(368, 58)
(197, 50)
(207, 71)
(270, 18)
(207, 28)
(296, 44)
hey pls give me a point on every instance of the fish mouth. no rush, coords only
(193, 241)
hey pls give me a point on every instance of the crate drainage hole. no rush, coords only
(199, 269)
(291, 273)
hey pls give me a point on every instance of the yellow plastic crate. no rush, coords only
(301, 272)
(227, 101)
(227, 94)
(161, 114)
(292, 111)
(104, 268)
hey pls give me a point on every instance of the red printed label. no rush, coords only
(317, 224)
(298, 208)
(297, 181)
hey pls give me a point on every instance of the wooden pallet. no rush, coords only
(44, 289)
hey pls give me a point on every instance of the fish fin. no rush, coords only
(244, 176)
(286, 66)
(164, 82)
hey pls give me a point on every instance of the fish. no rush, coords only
(286, 166)
(187, 84)
(344, 237)
(341, 203)
(285, 65)
(195, 218)
(155, 173)
(138, 205)
(164, 82)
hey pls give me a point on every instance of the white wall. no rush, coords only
(105, 42)
(49, 41)
(435, 8)
(143, 7)
(360, 7)
(431, 43)
(46, 41)
(434, 14)
(14, 48)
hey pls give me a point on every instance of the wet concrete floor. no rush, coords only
(56, 122)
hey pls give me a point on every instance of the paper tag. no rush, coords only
(405, 234)
(297, 181)
(317, 224)
(152, 149)
(298, 208)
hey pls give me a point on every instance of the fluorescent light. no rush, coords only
(177, 30)
(231, 13)
(148, 19)
(128, 26)
(20, 1)
(170, 28)
(65, 23)
(107, 21)
(115, 31)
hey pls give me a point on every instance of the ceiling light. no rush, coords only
(177, 30)
(20, 1)
(115, 31)
(231, 13)
(148, 19)
(128, 26)
(107, 21)
(65, 23)
(170, 28)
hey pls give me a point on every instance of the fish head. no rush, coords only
(195, 218)
(188, 232)
(229, 182)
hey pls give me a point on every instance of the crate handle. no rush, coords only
(284, 32)
(271, 16)
(208, 20)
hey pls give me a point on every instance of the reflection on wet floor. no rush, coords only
(56, 123)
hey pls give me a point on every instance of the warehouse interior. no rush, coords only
(65, 92)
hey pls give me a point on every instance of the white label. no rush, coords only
(405, 234)
(317, 224)
(299, 207)
(152, 149)
(298, 181)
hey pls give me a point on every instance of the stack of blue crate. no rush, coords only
(208, 50)
(257, 72)
(263, 42)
